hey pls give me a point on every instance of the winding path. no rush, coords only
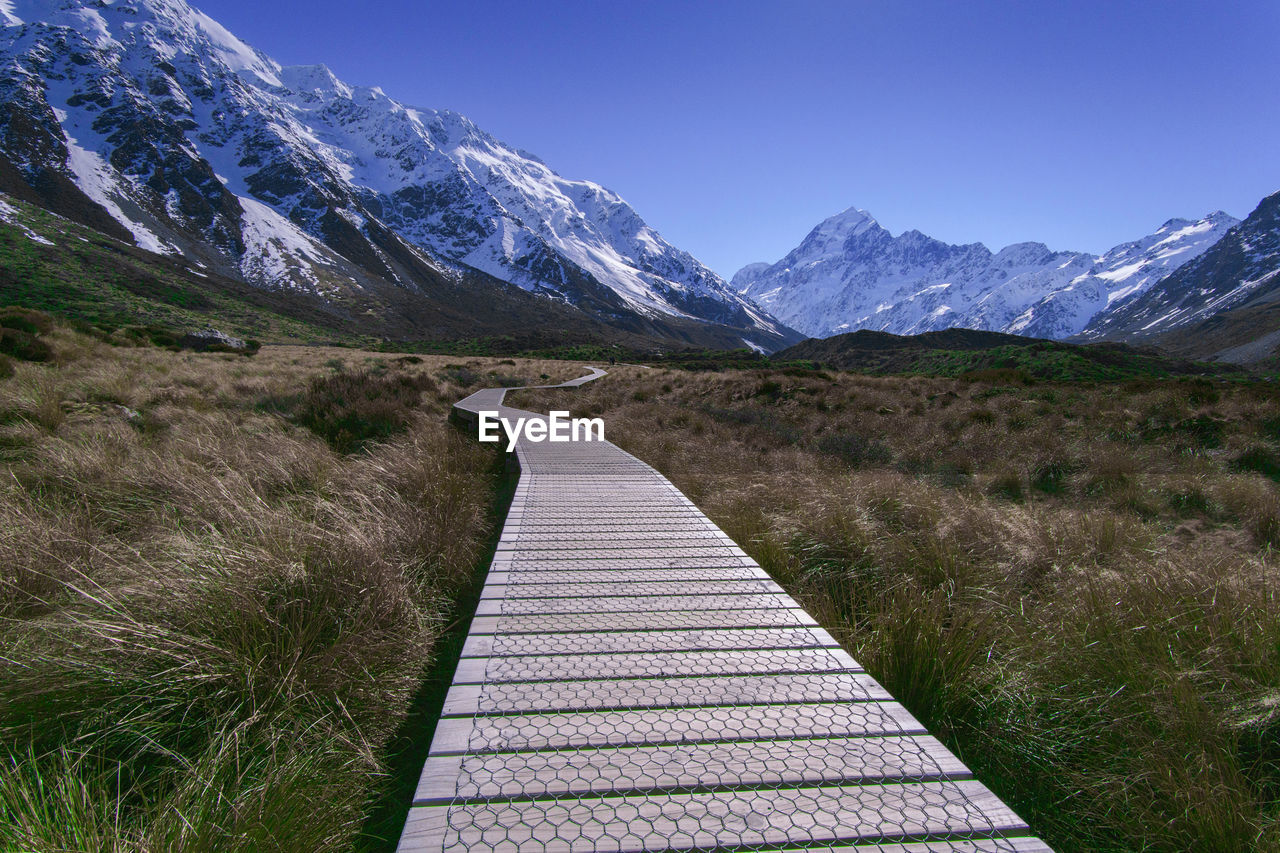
(633, 681)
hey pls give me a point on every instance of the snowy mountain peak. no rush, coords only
(832, 232)
(850, 273)
(160, 28)
(317, 79)
(851, 220)
(1020, 254)
(1175, 224)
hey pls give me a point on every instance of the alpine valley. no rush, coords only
(151, 123)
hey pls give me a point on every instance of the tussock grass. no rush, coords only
(22, 334)
(1074, 585)
(221, 581)
(349, 410)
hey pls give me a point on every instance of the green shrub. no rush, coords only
(1258, 458)
(1201, 432)
(1007, 485)
(1188, 501)
(462, 376)
(853, 449)
(998, 376)
(768, 388)
(1201, 392)
(1051, 477)
(6, 367)
(348, 410)
(503, 380)
(24, 346)
(26, 320)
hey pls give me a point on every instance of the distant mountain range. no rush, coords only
(148, 120)
(850, 273)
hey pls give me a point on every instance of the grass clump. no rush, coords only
(25, 320)
(1265, 460)
(23, 346)
(853, 449)
(22, 334)
(1051, 477)
(350, 410)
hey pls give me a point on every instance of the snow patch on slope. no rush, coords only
(9, 14)
(101, 183)
(275, 248)
(9, 214)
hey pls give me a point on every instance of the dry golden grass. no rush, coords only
(1073, 585)
(211, 622)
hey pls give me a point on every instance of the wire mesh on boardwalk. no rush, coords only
(634, 682)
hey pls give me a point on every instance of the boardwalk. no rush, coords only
(633, 681)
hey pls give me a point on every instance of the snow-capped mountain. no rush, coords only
(1121, 275)
(287, 177)
(1225, 303)
(851, 273)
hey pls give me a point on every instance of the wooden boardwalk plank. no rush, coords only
(505, 564)
(704, 766)
(650, 541)
(638, 727)
(694, 691)
(666, 620)
(549, 576)
(560, 667)
(823, 815)
(631, 604)
(604, 589)
(497, 645)
(620, 527)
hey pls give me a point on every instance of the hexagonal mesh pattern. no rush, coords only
(647, 641)
(514, 732)
(633, 682)
(738, 818)
(643, 603)
(657, 620)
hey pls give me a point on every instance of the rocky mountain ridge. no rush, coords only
(851, 273)
(149, 120)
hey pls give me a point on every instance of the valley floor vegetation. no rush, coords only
(222, 578)
(1073, 584)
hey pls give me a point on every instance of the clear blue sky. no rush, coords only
(735, 127)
